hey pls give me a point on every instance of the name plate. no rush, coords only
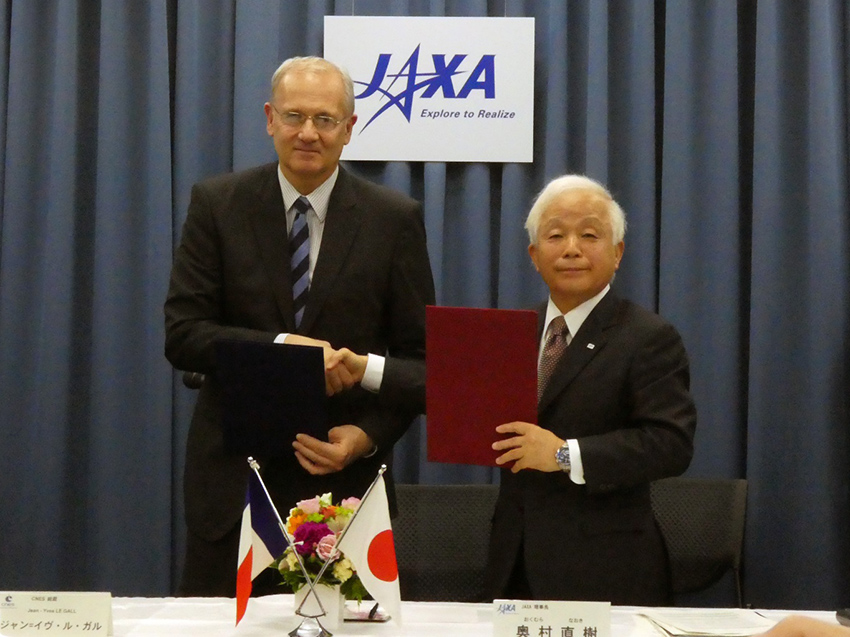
(518, 618)
(55, 613)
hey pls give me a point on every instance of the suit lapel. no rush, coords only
(268, 220)
(588, 343)
(341, 226)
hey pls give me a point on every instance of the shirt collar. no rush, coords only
(318, 199)
(576, 316)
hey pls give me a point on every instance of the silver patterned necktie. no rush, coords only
(553, 348)
(299, 250)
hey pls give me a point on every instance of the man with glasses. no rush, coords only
(298, 251)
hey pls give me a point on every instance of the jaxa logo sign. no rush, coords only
(401, 87)
(437, 89)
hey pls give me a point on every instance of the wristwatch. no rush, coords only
(562, 457)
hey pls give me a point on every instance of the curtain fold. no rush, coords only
(798, 440)
(722, 129)
(702, 255)
(86, 241)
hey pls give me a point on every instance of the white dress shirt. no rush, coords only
(319, 199)
(574, 319)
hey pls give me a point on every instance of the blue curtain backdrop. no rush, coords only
(721, 127)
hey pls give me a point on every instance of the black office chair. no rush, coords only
(441, 535)
(702, 521)
(193, 380)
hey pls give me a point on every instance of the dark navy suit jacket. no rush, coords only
(231, 279)
(622, 390)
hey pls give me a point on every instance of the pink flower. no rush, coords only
(325, 547)
(309, 506)
(350, 503)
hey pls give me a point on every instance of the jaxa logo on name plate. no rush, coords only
(437, 89)
(513, 617)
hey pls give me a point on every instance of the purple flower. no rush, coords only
(307, 536)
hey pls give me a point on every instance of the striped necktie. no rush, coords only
(299, 249)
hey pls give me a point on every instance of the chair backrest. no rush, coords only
(702, 521)
(441, 536)
(193, 380)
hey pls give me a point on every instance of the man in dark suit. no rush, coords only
(369, 281)
(573, 519)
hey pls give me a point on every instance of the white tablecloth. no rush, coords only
(273, 615)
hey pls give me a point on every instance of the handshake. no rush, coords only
(343, 368)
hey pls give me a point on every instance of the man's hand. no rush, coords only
(531, 448)
(297, 339)
(343, 370)
(346, 444)
(801, 626)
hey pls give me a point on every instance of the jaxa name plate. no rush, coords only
(55, 613)
(513, 618)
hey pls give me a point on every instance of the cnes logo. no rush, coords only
(446, 78)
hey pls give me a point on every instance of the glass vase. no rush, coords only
(332, 601)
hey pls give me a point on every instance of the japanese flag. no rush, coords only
(368, 543)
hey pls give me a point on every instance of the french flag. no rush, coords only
(261, 541)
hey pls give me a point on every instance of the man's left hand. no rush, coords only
(531, 448)
(345, 444)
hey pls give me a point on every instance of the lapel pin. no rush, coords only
(590, 346)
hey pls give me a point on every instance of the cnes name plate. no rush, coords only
(513, 618)
(55, 613)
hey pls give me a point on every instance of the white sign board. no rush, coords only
(437, 89)
(551, 618)
(28, 613)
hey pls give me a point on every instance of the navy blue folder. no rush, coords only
(269, 393)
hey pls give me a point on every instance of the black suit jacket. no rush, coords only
(231, 279)
(622, 390)
(403, 384)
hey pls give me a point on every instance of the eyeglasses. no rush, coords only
(322, 123)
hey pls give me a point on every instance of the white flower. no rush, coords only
(342, 570)
(337, 523)
(292, 561)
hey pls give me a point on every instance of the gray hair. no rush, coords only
(315, 65)
(566, 183)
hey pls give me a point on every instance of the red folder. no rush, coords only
(481, 371)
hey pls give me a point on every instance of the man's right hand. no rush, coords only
(343, 369)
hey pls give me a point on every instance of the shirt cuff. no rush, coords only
(281, 338)
(374, 374)
(576, 467)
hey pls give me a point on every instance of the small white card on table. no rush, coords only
(541, 618)
(55, 613)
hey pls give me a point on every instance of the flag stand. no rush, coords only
(310, 627)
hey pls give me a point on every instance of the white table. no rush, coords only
(273, 615)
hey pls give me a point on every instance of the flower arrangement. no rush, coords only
(315, 525)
